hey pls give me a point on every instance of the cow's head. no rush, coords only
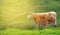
(29, 15)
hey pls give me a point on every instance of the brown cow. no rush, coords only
(43, 18)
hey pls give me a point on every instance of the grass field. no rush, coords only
(54, 31)
(13, 16)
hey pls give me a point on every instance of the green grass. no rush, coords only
(13, 14)
(55, 31)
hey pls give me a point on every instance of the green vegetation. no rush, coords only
(30, 32)
(13, 17)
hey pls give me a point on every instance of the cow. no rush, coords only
(44, 18)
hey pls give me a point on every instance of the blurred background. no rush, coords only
(13, 13)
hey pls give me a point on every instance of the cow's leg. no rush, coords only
(54, 23)
(46, 24)
(37, 25)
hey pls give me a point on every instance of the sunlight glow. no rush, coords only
(14, 10)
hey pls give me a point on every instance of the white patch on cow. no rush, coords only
(52, 12)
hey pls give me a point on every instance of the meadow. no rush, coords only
(55, 31)
(13, 17)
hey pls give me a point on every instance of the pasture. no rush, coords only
(13, 17)
(55, 31)
(16, 31)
